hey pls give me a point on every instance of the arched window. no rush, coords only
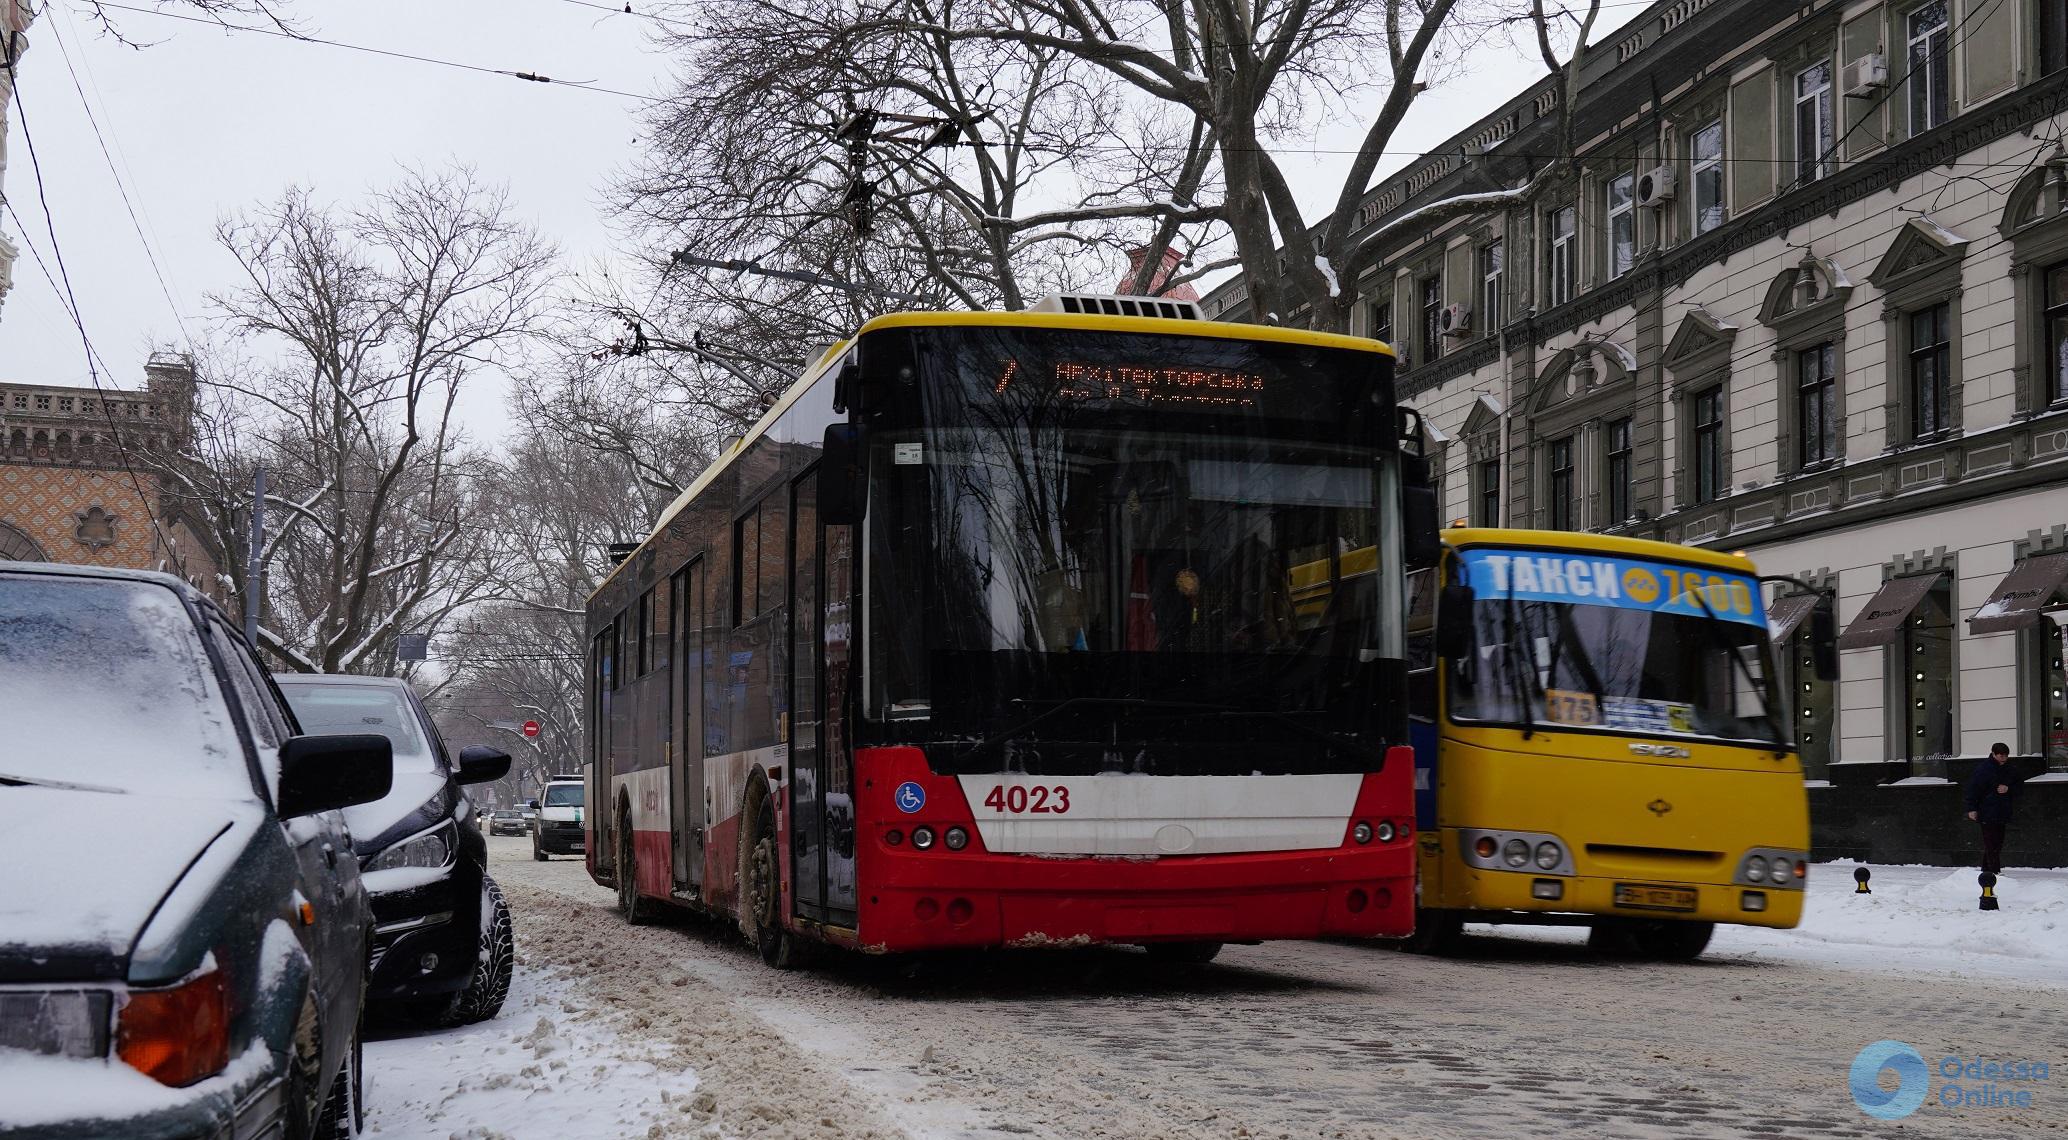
(16, 546)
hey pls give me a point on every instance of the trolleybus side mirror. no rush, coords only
(1824, 640)
(1421, 530)
(1455, 637)
(843, 487)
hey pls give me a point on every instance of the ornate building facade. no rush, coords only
(80, 475)
(1806, 297)
(14, 21)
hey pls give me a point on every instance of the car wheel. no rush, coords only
(761, 894)
(305, 1111)
(344, 1111)
(537, 852)
(1183, 953)
(636, 910)
(1437, 932)
(490, 982)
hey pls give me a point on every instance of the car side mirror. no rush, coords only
(324, 773)
(843, 476)
(479, 764)
(1456, 632)
(532, 804)
(1824, 639)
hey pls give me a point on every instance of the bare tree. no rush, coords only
(372, 319)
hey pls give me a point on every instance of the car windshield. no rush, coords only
(336, 709)
(1629, 645)
(564, 795)
(106, 684)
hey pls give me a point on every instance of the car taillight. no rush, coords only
(180, 1034)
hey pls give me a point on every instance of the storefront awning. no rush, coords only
(1884, 614)
(2017, 600)
(1787, 614)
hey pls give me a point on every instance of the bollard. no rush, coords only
(1860, 877)
(1988, 882)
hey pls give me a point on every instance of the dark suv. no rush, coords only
(182, 948)
(434, 956)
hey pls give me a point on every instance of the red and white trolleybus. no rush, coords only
(985, 636)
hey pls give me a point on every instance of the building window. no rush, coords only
(2056, 366)
(2053, 36)
(1928, 60)
(1925, 670)
(1705, 167)
(1930, 357)
(1382, 321)
(1708, 449)
(1560, 261)
(1490, 287)
(1489, 513)
(2050, 658)
(1622, 224)
(1815, 704)
(1816, 402)
(1432, 318)
(1813, 122)
(1560, 468)
(1618, 474)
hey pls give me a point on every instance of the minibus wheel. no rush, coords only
(1658, 940)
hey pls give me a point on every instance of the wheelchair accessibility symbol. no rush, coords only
(911, 797)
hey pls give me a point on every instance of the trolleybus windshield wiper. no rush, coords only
(997, 739)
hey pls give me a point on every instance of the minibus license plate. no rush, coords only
(1654, 898)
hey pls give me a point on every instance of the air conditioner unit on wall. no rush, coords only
(1866, 74)
(1655, 186)
(1457, 320)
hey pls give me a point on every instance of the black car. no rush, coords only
(173, 907)
(442, 949)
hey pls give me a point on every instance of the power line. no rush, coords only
(150, 254)
(528, 76)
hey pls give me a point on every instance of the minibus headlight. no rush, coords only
(1778, 869)
(1549, 856)
(1516, 852)
(1755, 869)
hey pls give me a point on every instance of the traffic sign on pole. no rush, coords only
(529, 728)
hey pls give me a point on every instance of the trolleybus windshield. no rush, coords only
(1083, 548)
(1582, 641)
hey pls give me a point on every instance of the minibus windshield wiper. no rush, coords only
(1568, 631)
(1520, 665)
(1766, 705)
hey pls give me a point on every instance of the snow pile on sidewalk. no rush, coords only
(544, 1067)
(1923, 919)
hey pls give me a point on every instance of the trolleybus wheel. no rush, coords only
(1438, 932)
(761, 904)
(636, 910)
(1183, 953)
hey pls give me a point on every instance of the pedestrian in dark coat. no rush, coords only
(1991, 790)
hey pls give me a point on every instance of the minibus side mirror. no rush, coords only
(843, 482)
(1824, 639)
(1456, 635)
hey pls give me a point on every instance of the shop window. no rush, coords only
(2048, 654)
(1815, 706)
(1922, 660)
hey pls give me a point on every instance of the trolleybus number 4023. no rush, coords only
(1023, 799)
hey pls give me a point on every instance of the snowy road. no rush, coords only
(1522, 1036)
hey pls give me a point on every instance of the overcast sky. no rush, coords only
(205, 122)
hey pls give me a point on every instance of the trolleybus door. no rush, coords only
(807, 779)
(687, 776)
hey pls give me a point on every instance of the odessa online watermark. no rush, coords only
(1964, 1082)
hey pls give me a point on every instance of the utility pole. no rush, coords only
(252, 589)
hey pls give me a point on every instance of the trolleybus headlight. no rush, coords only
(1516, 852)
(956, 839)
(1755, 869)
(1362, 832)
(1549, 856)
(922, 838)
(1386, 831)
(1486, 847)
(893, 837)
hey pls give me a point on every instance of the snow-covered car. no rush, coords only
(442, 950)
(557, 828)
(182, 951)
